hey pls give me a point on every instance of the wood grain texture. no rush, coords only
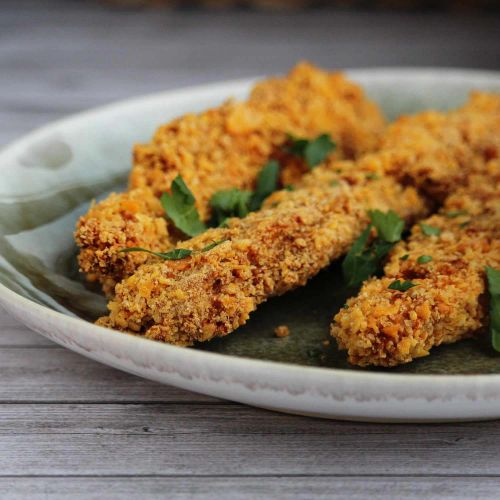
(246, 488)
(70, 427)
(231, 440)
(41, 374)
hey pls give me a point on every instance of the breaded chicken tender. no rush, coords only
(435, 151)
(222, 148)
(134, 218)
(268, 253)
(387, 327)
(227, 146)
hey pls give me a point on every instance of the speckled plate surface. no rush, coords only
(49, 178)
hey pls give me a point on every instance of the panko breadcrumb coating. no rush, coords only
(387, 327)
(298, 233)
(219, 149)
(263, 255)
(134, 218)
(227, 146)
(435, 151)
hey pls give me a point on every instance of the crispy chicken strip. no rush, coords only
(280, 248)
(387, 327)
(219, 149)
(263, 255)
(435, 151)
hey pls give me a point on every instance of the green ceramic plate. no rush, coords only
(50, 177)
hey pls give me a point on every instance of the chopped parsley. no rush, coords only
(406, 256)
(430, 230)
(313, 151)
(267, 183)
(423, 259)
(456, 213)
(176, 253)
(229, 203)
(389, 225)
(372, 176)
(237, 203)
(180, 207)
(364, 260)
(401, 286)
(493, 276)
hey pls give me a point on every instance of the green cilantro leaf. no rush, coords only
(313, 151)
(267, 183)
(179, 205)
(401, 286)
(372, 176)
(493, 276)
(212, 245)
(358, 264)
(176, 254)
(229, 203)
(456, 213)
(423, 259)
(430, 230)
(363, 260)
(406, 256)
(389, 225)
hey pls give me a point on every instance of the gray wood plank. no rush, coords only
(159, 439)
(14, 333)
(242, 488)
(59, 375)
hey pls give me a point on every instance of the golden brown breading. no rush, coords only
(227, 146)
(265, 254)
(438, 151)
(222, 148)
(386, 327)
(211, 294)
(134, 218)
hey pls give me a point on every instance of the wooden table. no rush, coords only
(70, 427)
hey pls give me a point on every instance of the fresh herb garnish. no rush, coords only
(313, 151)
(456, 213)
(372, 176)
(212, 245)
(363, 260)
(290, 187)
(464, 224)
(238, 203)
(423, 259)
(389, 225)
(406, 256)
(176, 253)
(230, 203)
(401, 286)
(267, 183)
(430, 230)
(493, 276)
(179, 205)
